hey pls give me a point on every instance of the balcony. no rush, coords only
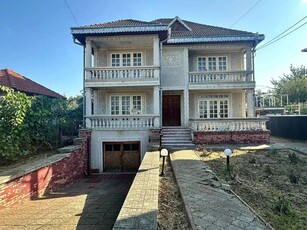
(221, 80)
(116, 122)
(122, 76)
(229, 124)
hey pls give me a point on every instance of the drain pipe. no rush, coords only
(160, 77)
(87, 173)
(83, 90)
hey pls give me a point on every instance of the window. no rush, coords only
(126, 59)
(126, 105)
(212, 64)
(213, 106)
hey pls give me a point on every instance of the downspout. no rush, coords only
(83, 90)
(160, 77)
(83, 111)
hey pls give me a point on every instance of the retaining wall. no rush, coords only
(33, 180)
(228, 137)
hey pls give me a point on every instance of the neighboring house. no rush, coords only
(194, 81)
(20, 83)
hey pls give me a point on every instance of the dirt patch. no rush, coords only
(272, 182)
(171, 214)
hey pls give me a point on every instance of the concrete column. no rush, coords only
(156, 105)
(186, 114)
(88, 106)
(250, 103)
(249, 66)
(186, 108)
(88, 57)
(156, 54)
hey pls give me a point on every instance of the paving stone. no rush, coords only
(211, 208)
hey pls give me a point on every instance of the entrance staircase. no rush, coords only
(176, 137)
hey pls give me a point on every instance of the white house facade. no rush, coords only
(192, 81)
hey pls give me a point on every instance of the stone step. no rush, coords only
(177, 137)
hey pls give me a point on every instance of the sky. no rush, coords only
(36, 41)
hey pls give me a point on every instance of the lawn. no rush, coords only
(272, 182)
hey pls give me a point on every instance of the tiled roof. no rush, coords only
(120, 23)
(198, 30)
(186, 31)
(18, 82)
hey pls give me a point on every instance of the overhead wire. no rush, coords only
(278, 37)
(246, 13)
(71, 13)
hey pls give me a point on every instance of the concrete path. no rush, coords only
(209, 207)
(91, 203)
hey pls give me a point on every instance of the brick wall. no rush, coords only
(70, 165)
(237, 137)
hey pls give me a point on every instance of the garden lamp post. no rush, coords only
(227, 152)
(163, 153)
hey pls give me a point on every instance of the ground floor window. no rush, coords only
(213, 106)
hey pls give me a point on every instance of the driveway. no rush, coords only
(91, 203)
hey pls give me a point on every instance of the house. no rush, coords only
(20, 83)
(195, 82)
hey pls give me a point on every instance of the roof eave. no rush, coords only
(80, 33)
(106, 30)
(213, 39)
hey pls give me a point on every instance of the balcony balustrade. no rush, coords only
(113, 73)
(123, 122)
(229, 124)
(222, 76)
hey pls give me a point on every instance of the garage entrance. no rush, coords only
(121, 156)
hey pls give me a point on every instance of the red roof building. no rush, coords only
(20, 83)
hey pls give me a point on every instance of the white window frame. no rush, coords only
(208, 59)
(133, 110)
(122, 57)
(208, 100)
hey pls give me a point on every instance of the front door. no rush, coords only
(171, 110)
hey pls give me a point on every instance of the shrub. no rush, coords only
(293, 158)
(294, 177)
(283, 206)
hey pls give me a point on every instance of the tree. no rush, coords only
(293, 84)
(31, 124)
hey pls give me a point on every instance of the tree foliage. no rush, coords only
(293, 84)
(15, 138)
(32, 124)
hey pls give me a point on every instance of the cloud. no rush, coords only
(303, 1)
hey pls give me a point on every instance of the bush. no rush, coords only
(283, 206)
(293, 158)
(30, 124)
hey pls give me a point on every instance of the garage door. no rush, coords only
(121, 156)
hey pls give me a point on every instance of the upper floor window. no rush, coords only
(126, 104)
(212, 64)
(126, 59)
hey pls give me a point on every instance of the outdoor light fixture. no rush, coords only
(227, 152)
(163, 153)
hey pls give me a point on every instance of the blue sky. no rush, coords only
(36, 40)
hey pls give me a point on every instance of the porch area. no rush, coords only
(230, 131)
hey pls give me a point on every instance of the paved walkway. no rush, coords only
(92, 203)
(209, 207)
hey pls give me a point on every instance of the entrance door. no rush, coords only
(121, 156)
(171, 110)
